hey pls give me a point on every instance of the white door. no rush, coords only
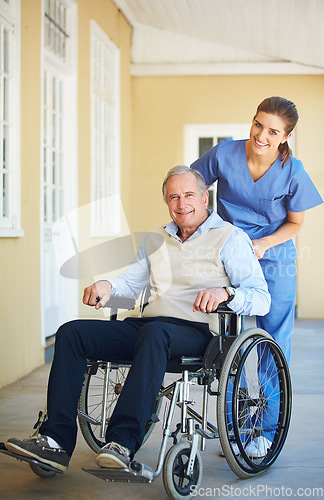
(59, 295)
(59, 185)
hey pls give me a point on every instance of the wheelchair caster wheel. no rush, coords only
(42, 471)
(176, 481)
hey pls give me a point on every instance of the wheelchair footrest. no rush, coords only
(136, 473)
(21, 458)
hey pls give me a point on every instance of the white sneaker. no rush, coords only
(114, 456)
(234, 447)
(258, 447)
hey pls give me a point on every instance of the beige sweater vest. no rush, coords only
(180, 270)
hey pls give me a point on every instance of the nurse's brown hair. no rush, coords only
(287, 111)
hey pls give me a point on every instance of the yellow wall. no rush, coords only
(119, 31)
(163, 105)
(108, 17)
(21, 348)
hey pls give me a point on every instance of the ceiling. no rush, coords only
(226, 36)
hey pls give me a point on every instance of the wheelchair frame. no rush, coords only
(225, 360)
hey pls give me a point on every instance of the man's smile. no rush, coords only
(185, 213)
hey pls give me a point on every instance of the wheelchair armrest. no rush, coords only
(116, 303)
(223, 308)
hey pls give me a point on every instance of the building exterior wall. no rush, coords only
(162, 106)
(21, 348)
(154, 111)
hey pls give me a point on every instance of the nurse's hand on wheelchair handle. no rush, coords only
(259, 247)
(208, 300)
(97, 295)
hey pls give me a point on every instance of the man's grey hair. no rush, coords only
(183, 169)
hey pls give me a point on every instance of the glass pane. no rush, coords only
(211, 200)
(60, 170)
(5, 146)
(205, 144)
(45, 88)
(60, 133)
(54, 130)
(47, 7)
(6, 51)
(54, 92)
(45, 205)
(54, 205)
(219, 139)
(45, 126)
(60, 96)
(5, 195)
(54, 168)
(6, 99)
(45, 165)
(61, 207)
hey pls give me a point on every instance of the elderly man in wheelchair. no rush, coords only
(193, 265)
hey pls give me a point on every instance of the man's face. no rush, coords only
(187, 207)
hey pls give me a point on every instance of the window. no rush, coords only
(9, 118)
(105, 135)
(55, 35)
(58, 106)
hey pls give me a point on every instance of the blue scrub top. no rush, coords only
(258, 207)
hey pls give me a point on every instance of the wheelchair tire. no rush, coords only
(90, 403)
(254, 402)
(41, 471)
(176, 482)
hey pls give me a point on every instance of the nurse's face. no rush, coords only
(187, 207)
(267, 133)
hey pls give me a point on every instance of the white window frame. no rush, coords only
(10, 225)
(106, 209)
(66, 71)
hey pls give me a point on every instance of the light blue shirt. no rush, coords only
(237, 255)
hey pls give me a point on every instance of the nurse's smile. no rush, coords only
(259, 144)
(266, 134)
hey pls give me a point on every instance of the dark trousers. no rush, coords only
(147, 342)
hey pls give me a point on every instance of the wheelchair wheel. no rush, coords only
(175, 479)
(41, 471)
(91, 398)
(254, 405)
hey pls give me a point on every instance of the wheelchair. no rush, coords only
(246, 376)
(243, 372)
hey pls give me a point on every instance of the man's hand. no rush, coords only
(97, 294)
(209, 299)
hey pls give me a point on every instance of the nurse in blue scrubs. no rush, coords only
(265, 191)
